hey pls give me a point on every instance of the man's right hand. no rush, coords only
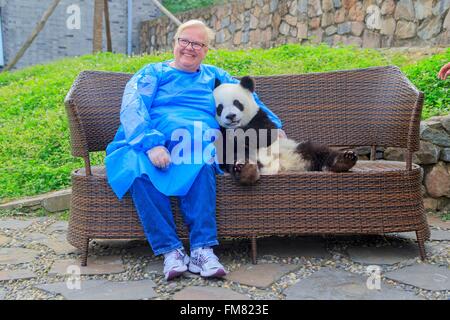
(159, 156)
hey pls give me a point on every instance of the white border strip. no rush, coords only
(2, 61)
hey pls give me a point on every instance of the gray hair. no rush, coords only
(195, 23)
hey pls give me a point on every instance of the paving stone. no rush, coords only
(440, 235)
(15, 224)
(16, 275)
(17, 255)
(425, 276)
(60, 247)
(208, 293)
(438, 248)
(155, 267)
(95, 265)
(59, 236)
(57, 226)
(385, 255)
(334, 284)
(58, 244)
(260, 275)
(437, 222)
(293, 247)
(104, 290)
(35, 237)
(4, 240)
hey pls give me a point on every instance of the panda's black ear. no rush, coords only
(217, 83)
(248, 83)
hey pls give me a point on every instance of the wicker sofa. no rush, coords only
(365, 107)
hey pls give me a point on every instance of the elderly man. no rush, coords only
(160, 99)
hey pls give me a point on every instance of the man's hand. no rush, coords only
(445, 72)
(159, 156)
(281, 134)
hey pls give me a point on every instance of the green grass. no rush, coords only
(34, 135)
(437, 93)
(446, 216)
(175, 6)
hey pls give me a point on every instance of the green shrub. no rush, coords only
(34, 136)
(424, 76)
(183, 5)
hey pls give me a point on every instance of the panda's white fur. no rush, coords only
(281, 156)
(278, 157)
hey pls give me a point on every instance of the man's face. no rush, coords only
(187, 58)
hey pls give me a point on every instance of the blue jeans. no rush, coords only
(198, 207)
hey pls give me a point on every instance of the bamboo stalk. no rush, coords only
(166, 12)
(33, 35)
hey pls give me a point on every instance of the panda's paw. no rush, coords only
(344, 161)
(249, 174)
(237, 169)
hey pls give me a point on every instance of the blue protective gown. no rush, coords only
(157, 100)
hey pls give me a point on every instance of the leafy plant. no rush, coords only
(424, 75)
(184, 5)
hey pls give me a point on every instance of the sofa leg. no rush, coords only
(84, 253)
(421, 242)
(254, 250)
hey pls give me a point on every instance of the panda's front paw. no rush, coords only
(237, 169)
(246, 173)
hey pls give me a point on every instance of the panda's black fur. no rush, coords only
(233, 100)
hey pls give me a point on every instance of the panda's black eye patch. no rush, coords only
(238, 105)
(219, 109)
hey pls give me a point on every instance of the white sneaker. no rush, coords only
(205, 262)
(175, 263)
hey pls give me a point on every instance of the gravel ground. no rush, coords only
(136, 257)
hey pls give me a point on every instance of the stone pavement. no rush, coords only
(36, 262)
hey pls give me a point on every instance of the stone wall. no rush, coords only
(265, 23)
(433, 157)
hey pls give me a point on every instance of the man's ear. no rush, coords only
(217, 83)
(248, 83)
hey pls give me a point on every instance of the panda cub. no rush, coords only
(236, 110)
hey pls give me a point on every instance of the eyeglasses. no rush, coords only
(195, 45)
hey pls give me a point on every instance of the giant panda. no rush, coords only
(236, 109)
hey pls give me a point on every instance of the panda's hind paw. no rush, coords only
(344, 161)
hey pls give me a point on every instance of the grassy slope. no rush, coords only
(34, 138)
